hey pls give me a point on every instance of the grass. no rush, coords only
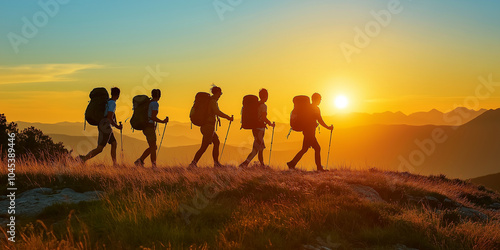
(229, 208)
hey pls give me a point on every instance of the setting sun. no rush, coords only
(341, 102)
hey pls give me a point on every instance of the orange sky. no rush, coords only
(428, 56)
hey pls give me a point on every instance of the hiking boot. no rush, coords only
(139, 163)
(321, 169)
(192, 165)
(264, 166)
(218, 165)
(290, 165)
(244, 164)
(81, 158)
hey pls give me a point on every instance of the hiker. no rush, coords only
(104, 127)
(208, 123)
(150, 130)
(258, 129)
(309, 132)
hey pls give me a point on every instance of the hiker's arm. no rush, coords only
(267, 121)
(217, 111)
(111, 116)
(154, 117)
(322, 123)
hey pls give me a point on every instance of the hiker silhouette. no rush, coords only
(149, 129)
(101, 113)
(203, 114)
(305, 118)
(254, 117)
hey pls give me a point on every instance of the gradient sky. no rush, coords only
(429, 56)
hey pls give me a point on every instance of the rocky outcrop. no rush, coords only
(368, 193)
(34, 201)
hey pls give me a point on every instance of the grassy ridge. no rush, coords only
(250, 209)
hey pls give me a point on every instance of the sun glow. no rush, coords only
(341, 102)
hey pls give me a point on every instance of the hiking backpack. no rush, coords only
(199, 111)
(250, 113)
(302, 116)
(97, 106)
(140, 118)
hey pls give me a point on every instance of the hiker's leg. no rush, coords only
(251, 155)
(145, 154)
(317, 153)
(298, 156)
(207, 133)
(200, 152)
(258, 145)
(105, 133)
(94, 152)
(215, 151)
(150, 134)
(254, 149)
(261, 157)
(114, 145)
(305, 147)
(152, 151)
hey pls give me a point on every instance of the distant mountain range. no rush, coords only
(432, 117)
(467, 146)
(491, 181)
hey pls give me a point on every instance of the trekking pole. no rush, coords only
(329, 147)
(271, 149)
(121, 140)
(223, 146)
(164, 128)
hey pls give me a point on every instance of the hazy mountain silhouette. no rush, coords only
(432, 117)
(468, 151)
(491, 181)
(473, 149)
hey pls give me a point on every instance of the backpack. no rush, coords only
(97, 106)
(140, 118)
(199, 111)
(250, 113)
(302, 116)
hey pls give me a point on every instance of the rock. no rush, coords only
(494, 206)
(368, 193)
(412, 199)
(472, 214)
(403, 247)
(431, 201)
(449, 204)
(311, 247)
(33, 202)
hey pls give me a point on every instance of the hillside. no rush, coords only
(470, 150)
(491, 181)
(228, 208)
